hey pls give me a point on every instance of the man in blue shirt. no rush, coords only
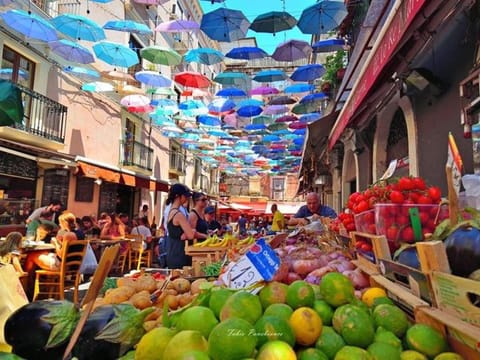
(313, 210)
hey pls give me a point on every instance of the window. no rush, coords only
(136, 46)
(84, 189)
(17, 68)
(129, 137)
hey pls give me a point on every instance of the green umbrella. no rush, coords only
(304, 108)
(11, 106)
(277, 126)
(161, 55)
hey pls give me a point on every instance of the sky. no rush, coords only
(252, 8)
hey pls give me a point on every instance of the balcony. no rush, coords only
(177, 163)
(136, 156)
(44, 122)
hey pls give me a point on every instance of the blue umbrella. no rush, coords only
(128, 26)
(82, 73)
(249, 111)
(221, 105)
(30, 25)
(71, 51)
(313, 98)
(191, 105)
(231, 78)
(97, 86)
(217, 133)
(78, 27)
(322, 17)
(308, 72)
(153, 78)
(250, 102)
(328, 45)
(225, 24)
(246, 53)
(115, 54)
(209, 120)
(271, 138)
(204, 56)
(310, 117)
(255, 127)
(298, 88)
(7, 74)
(270, 76)
(231, 92)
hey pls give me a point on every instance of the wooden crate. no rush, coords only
(452, 294)
(462, 337)
(369, 261)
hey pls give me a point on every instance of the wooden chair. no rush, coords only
(138, 255)
(52, 283)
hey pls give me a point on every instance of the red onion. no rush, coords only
(281, 273)
(303, 267)
(358, 278)
(291, 241)
(316, 275)
(291, 277)
(341, 265)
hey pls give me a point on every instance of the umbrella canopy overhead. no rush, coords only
(11, 104)
(246, 53)
(152, 78)
(179, 25)
(165, 91)
(115, 54)
(71, 51)
(82, 73)
(128, 26)
(308, 72)
(231, 92)
(282, 100)
(225, 24)
(264, 90)
(204, 56)
(298, 88)
(97, 86)
(78, 27)
(270, 76)
(328, 45)
(221, 105)
(322, 17)
(273, 22)
(292, 50)
(117, 75)
(135, 100)
(161, 55)
(30, 25)
(231, 78)
(192, 79)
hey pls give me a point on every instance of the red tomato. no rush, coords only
(407, 234)
(435, 193)
(350, 227)
(392, 232)
(405, 183)
(366, 247)
(372, 228)
(413, 195)
(362, 206)
(403, 220)
(372, 201)
(353, 197)
(369, 217)
(397, 197)
(359, 243)
(419, 183)
(424, 217)
(425, 200)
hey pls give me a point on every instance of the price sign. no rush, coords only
(258, 264)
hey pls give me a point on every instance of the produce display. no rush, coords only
(296, 321)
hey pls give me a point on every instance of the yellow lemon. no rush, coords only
(371, 294)
(307, 325)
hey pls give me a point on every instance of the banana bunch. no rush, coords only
(212, 241)
(247, 241)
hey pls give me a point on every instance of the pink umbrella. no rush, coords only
(275, 110)
(286, 118)
(231, 119)
(178, 26)
(264, 90)
(141, 109)
(298, 125)
(135, 100)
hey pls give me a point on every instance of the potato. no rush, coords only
(184, 299)
(141, 300)
(125, 281)
(146, 282)
(195, 286)
(172, 301)
(155, 314)
(181, 285)
(171, 292)
(118, 295)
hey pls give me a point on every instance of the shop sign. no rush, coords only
(388, 44)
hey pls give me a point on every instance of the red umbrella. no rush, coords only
(286, 118)
(192, 79)
(298, 125)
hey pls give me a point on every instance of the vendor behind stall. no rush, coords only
(312, 211)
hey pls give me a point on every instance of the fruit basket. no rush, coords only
(365, 222)
(407, 222)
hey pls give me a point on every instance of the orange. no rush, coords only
(307, 325)
(300, 293)
(273, 293)
(336, 289)
(371, 294)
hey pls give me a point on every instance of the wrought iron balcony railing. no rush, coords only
(134, 153)
(42, 116)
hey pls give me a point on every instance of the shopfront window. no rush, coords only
(397, 145)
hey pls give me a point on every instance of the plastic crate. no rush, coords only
(365, 222)
(394, 221)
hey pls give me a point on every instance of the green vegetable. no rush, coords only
(109, 283)
(212, 269)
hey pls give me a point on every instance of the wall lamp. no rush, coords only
(98, 182)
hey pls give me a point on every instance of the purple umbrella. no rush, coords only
(71, 51)
(298, 125)
(286, 118)
(292, 50)
(246, 53)
(264, 90)
(178, 26)
(275, 109)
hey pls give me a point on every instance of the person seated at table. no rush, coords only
(313, 210)
(114, 229)
(102, 220)
(214, 227)
(68, 223)
(143, 229)
(89, 228)
(126, 222)
(196, 217)
(9, 251)
(45, 232)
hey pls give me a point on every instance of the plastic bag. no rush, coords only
(89, 263)
(13, 295)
